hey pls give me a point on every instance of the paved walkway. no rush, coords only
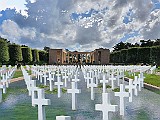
(16, 79)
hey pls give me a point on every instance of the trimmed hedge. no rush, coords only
(15, 53)
(43, 56)
(35, 55)
(123, 56)
(144, 55)
(137, 55)
(26, 54)
(132, 56)
(155, 54)
(4, 54)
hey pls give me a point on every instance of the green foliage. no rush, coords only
(27, 54)
(155, 54)
(15, 53)
(144, 55)
(132, 56)
(4, 54)
(101, 86)
(123, 56)
(149, 78)
(137, 55)
(18, 73)
(35, 54)
(43, 56)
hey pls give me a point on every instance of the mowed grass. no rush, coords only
(149, 78)
(18, 73)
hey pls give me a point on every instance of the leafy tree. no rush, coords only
(4, 54)
(27, 54)
(35, 54)
(46, 49)
(15, 53)
(43, 56)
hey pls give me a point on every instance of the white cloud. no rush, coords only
(49, 24)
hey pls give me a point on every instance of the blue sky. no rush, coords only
(79, 25)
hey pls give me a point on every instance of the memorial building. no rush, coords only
(61, 56)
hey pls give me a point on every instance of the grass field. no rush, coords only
(18, 73)
(149, 78)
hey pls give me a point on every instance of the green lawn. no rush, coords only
(158, 69)
(18, 73)
(150, 78)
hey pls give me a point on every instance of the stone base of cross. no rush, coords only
(63, 118)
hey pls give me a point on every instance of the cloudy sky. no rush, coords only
(79, 24)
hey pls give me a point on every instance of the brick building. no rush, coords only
(60, 56)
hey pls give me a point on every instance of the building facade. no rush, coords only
(60, 56)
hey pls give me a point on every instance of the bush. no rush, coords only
(155, 55)
(124, 55)
(132, 56)
(27, 54)
(43, 56)
(15, 53)
(144, 55)
(4, 54)
(136, 55)
(35, 54)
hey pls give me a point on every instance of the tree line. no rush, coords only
(143, 43)
(148, 52)
(14, 54)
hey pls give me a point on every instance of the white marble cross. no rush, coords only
(96, 75)
(106, 107)
(122, 94)
(63, 118)
(45, 78)
(92, 85)
(50, 79)
(31, 86)
(104, 81)
(75, 79)
(40, 101)
(141, 78)
(131, 87)
(2, 87)
(69, 76)
(137, 82)
(87, 79)
(73, 91)
(40, 74)
(5, 81)
(65, 77)
(112, 81)
(118, 77)
(59, 84)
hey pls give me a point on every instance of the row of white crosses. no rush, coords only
(59, 83)
(38, 95)
(6, 75)
(73, 90)
(92, 84)
(105, 107)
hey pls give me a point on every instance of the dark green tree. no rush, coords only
(35, 54)
(27, 54)
(15, 53)
(4, 54)
(43, 56)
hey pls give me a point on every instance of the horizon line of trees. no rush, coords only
(11, 53)
(148, 52)
(143, 43)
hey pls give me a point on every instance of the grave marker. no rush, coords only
(106, 107)
(122, 94)
(73, 91)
